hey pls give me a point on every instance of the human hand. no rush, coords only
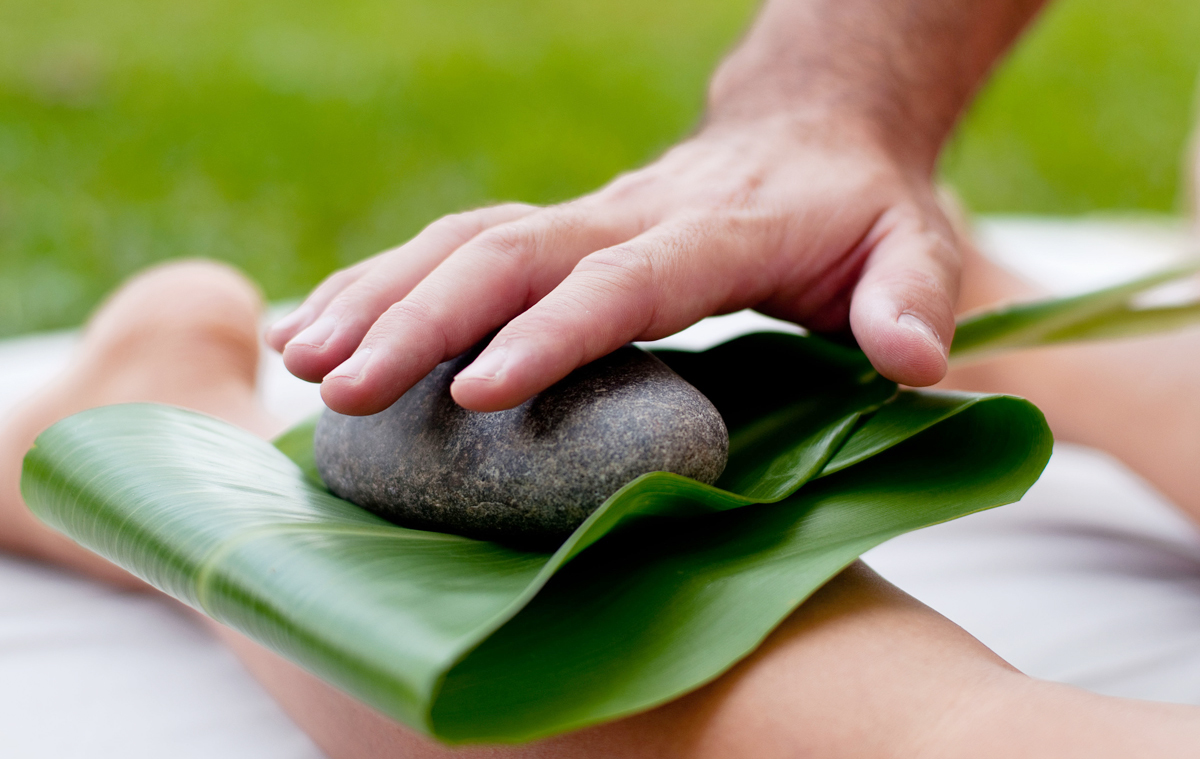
(819, 225)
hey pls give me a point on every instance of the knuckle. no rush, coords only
(943, 250)
(721, 226)
(509, 208)
(365, 295)
(930, 238)
(470, 223)
(510, 244)
(455, 223)
(919, 291)
(415, 324)
(621, 267)
(531, 327)
(342, 278)
(405, 314)
(743, 194)
(627, 186)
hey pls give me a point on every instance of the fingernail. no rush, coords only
(293, 320)
(317, 333)
(914, 323)
(353, 366)
(486, 367)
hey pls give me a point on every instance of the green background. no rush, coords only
(295, 137)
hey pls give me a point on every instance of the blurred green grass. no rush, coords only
(1092, 113)
(292, 138)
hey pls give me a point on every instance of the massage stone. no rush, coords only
(529, 475)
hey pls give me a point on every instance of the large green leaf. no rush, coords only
(644, 616)
(663, 588)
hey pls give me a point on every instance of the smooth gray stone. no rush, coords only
(529, 475)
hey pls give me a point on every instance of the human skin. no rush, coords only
(183, 334)
(1135, 399)
(806, 194)
(859, 670)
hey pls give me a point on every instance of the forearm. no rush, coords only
(904, 69)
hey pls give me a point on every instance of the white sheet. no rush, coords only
(91, 672)
(1092, 579)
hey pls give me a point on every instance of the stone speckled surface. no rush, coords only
(529, 475)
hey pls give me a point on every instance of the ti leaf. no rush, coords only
(1103, 314)
(664, 587)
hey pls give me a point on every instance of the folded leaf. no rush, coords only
(663, 588)
(643, 617)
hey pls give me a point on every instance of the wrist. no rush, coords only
(817, 126)
(749, 91)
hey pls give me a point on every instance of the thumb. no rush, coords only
(902, 311)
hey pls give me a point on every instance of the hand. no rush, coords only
(795, 220)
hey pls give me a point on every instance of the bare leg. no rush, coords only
(788, 699)
(860, 671)
(1136, 399)
(183, 334)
